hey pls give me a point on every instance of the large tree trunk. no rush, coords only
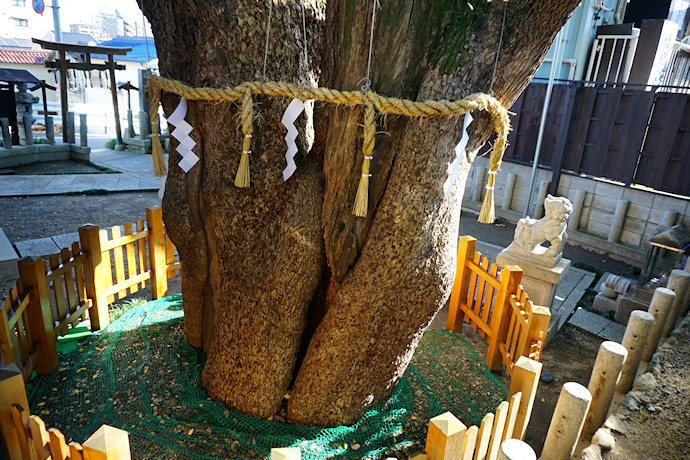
(256, 260)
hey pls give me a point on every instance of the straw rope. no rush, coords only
(382, 104)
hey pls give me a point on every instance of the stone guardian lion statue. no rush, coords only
(531, 233)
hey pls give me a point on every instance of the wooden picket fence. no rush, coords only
(448, 438)
(495, 304)
(25, 436)
(98, 269)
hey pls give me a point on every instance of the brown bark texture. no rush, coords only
(263, 265)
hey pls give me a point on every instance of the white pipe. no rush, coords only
(555, 65)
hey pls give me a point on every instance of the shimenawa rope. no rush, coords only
(382, 104)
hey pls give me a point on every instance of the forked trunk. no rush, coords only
(255, 260)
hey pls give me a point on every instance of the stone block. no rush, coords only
(598, 228)
(641, 198)
(604, 203)
(40, 247)
(606, 189)
(603, 304)
(664, 202)
(538, 280)
(626, 305)
(600, 216)
(630, 238)
(8, 257)
(613, 331)
(588, 321)
(65, 241)
(638, 211)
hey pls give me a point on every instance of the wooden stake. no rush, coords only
(159, 278)
(445, 438)
(107, 443)
(525, 380)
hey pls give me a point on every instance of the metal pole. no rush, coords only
(555, 64)
(56, 21)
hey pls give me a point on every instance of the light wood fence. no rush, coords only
(496, 305)
(25, 436)
(101, 267)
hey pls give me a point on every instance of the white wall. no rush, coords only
(645, 212)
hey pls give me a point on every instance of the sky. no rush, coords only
(76, 11)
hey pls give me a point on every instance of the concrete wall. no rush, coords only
(646, 211)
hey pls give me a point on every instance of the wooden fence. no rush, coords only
(617, 132)
(25, 436)
(448, 438)
(496, 305)
(101, 267)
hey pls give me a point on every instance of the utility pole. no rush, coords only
(56, 21)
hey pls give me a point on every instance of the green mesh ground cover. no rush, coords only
(140, 375)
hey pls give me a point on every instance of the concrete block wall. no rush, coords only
(646, 210)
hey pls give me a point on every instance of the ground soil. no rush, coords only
(569, 357)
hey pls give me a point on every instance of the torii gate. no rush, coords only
(62, 65)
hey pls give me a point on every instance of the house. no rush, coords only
(615, 138)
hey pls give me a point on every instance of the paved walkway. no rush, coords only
(136, 174)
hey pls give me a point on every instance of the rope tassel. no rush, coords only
(242, 178)
(159, 169)
(360, 208)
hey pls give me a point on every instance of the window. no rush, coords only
(18, 2)
(21, 22)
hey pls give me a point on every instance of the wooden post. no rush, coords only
(466, 246)
(537, 325)
(94, 271)
(107, 443)
(12, 391)
(514, 449)
(525, 380)
(500, 320)
(286, 453)
(113, 93)
(499, 426)
(559, 151)
(63, 93)
(445, 438)
(33, 274)
(159, 276)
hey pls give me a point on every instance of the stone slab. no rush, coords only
(65, 241)
(8, 257)
(40, 247)
(588, 321)
(626, 305)
(613, 331)
(603, 304)
(533, 270)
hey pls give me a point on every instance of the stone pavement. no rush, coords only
(136, 174)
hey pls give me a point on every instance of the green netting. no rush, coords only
(140, 375)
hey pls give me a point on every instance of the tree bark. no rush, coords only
(255, 259)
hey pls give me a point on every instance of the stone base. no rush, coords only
(537, 255)
(626, 305)
(8, 258)
(539, 281)
(602, 304)
(24, 155)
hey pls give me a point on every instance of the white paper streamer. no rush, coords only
(293, 111)
(161, 191)
(454, 166)
(181, 133)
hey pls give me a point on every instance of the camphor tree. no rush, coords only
(284, 288)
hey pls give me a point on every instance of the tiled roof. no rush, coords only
(143, 49)
(14, 56)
